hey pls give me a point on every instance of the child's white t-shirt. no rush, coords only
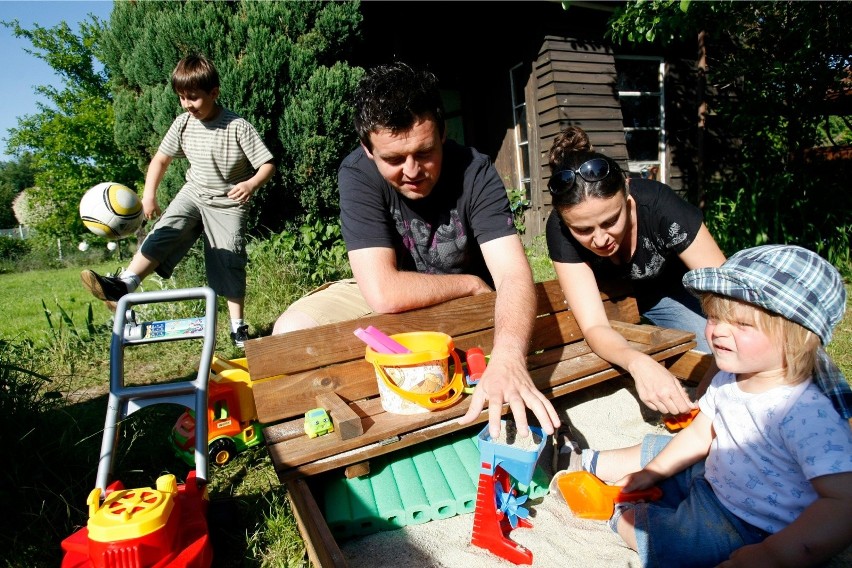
(768, 445)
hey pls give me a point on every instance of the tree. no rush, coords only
(15, 177)
(279, 68)
(770, 68)
(71, 139)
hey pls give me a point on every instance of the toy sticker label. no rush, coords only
(175, 328)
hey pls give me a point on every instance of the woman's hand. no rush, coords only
(658, 388)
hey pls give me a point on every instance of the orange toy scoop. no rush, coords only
(679, 421)
(590, 498)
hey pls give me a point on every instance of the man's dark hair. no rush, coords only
(193, 73)
(394, 97)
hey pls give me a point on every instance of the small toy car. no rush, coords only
(317, 422)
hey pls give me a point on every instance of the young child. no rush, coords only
(228, 163)
(763, 474)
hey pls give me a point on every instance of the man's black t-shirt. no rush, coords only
(439, 234)
(667, 226)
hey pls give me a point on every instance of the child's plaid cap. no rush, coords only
(784, 279)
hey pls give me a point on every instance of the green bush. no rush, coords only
(314, 251)
(282, 67)
(13, 248)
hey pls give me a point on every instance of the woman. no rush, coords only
(604, 226)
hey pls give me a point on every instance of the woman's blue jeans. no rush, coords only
(679, 310)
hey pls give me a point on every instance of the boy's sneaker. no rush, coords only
(240, 336)
(106, 288)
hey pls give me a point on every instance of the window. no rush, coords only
(453, 115)
(519, 116)
(640, 90)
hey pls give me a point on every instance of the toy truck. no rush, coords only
(232, 424)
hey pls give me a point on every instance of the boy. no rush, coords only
(763, 474)
(228, 163)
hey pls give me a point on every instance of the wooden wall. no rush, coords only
(572, 84)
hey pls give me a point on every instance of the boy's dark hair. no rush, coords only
(394, 97)
(194, 73)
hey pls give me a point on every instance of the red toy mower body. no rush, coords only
(144, 528)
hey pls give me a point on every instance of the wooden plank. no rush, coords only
(691, 366)
(386, 432)
(639, 333)
(551, 88)
(562, 113)
(357, 470)
(572, 65)
(311, 348)
(279, 398)
(592, 104)
(393, 442)
(333, 343)
(321, 547)
(347, 424)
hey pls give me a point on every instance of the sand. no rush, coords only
(607, 416)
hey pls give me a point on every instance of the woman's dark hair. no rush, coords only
(194, 72)
(394, 97)
(570, 149)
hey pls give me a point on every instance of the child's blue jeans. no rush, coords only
(688, 526)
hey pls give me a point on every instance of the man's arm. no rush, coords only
(389, 290)
(506, 378)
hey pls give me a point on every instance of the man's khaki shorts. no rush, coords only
(333, 302)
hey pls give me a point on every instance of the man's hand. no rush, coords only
(506, 380)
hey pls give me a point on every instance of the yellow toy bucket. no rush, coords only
(416, 382)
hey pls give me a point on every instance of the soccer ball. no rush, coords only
(111, 210)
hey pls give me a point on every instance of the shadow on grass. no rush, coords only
(53, 468)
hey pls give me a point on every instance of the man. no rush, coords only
(425, 221)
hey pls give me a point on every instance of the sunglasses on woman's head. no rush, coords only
(595, 169)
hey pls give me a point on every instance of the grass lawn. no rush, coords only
(22, 313)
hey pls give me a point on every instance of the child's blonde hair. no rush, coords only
(798, 344)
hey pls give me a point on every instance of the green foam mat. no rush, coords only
(427, 482)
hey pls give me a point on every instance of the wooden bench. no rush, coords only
(325, 367)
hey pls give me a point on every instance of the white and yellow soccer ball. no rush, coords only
(111, 210)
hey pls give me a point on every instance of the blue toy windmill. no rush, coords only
(499, 508)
